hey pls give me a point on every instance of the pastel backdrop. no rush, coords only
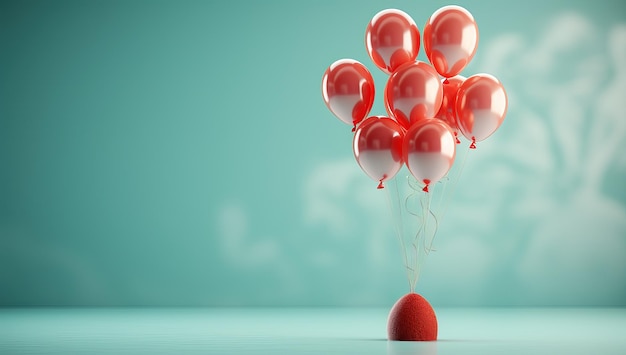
(166, 153)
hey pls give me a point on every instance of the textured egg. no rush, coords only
(412, 318)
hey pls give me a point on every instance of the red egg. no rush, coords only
(412, 318)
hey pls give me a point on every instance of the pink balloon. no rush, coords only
(481, 106)
(413, 93)
(378, 148)
(392, 39)
(429, 150)
(348, 91)
(450, 39)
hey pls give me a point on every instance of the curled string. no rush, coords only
(427, 213)
(425, 210)
(422, 214)
(415, 240)
(409, 269)
(444, 183)
(453, 181)
(422, 234)
(397, 222)
(423, 217)
(422, 237)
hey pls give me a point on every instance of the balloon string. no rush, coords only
(425, 214)
(416, 267)
(444, 183)
(428, 212)
(397, 223)
(422, 242)
(414, 242)
(401, 234)
(418, 235)
(432, 240)
(453, 181)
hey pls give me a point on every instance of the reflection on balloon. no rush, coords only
(348, 90)
(392, 39)
(413, 93)
(450, 39)
(480, 107)
(429, 150)
(378, 148)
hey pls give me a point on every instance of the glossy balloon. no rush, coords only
(480, 106)
(413, 93)
(450, 39)
(392, 39)
(378, 148)
(447, 112)
(348, 90)
(429, 150)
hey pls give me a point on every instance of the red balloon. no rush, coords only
(447, 112)
(348, 90)
(450, 39)
(429, 150)
(378, 148)
(413, 93)
(392, 39)
(481, 106)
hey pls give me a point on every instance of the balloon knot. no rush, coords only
(445, 81)
(380, 184)
(473, 145)
(355, 123)
(427, 182)
(456, 136)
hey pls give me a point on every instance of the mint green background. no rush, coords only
(179, 153)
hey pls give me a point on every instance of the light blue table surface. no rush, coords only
(307, 331)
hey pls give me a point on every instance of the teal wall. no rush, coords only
(179, 153)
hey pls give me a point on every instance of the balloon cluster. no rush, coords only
(427, 104)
